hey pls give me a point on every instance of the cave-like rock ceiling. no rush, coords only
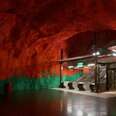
(33, 31)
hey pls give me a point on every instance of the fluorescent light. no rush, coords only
(92, 64)
(113, 54)
(70, 67)
(114, 50)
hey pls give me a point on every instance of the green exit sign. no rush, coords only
(80, 64)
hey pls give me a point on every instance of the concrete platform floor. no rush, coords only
(55, 103)
(105, 95)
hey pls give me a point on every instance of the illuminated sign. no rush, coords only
(80, 64)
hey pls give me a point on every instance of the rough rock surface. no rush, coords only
(32, 32)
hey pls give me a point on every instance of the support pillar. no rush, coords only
(61, 57)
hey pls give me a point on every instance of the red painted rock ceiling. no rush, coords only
(32, 32)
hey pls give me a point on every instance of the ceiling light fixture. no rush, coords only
(96, 53)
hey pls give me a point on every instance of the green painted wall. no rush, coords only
(23, 83)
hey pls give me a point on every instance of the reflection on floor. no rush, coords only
(105, 95)
(55, 103)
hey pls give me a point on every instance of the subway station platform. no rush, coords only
(110, 94)
(56, 103)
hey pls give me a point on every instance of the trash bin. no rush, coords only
(81, 86)
(70, 85)
(92, 87)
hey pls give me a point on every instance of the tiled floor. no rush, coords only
(55, 103)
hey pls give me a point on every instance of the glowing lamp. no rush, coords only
(70, 67)
(96, 53)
